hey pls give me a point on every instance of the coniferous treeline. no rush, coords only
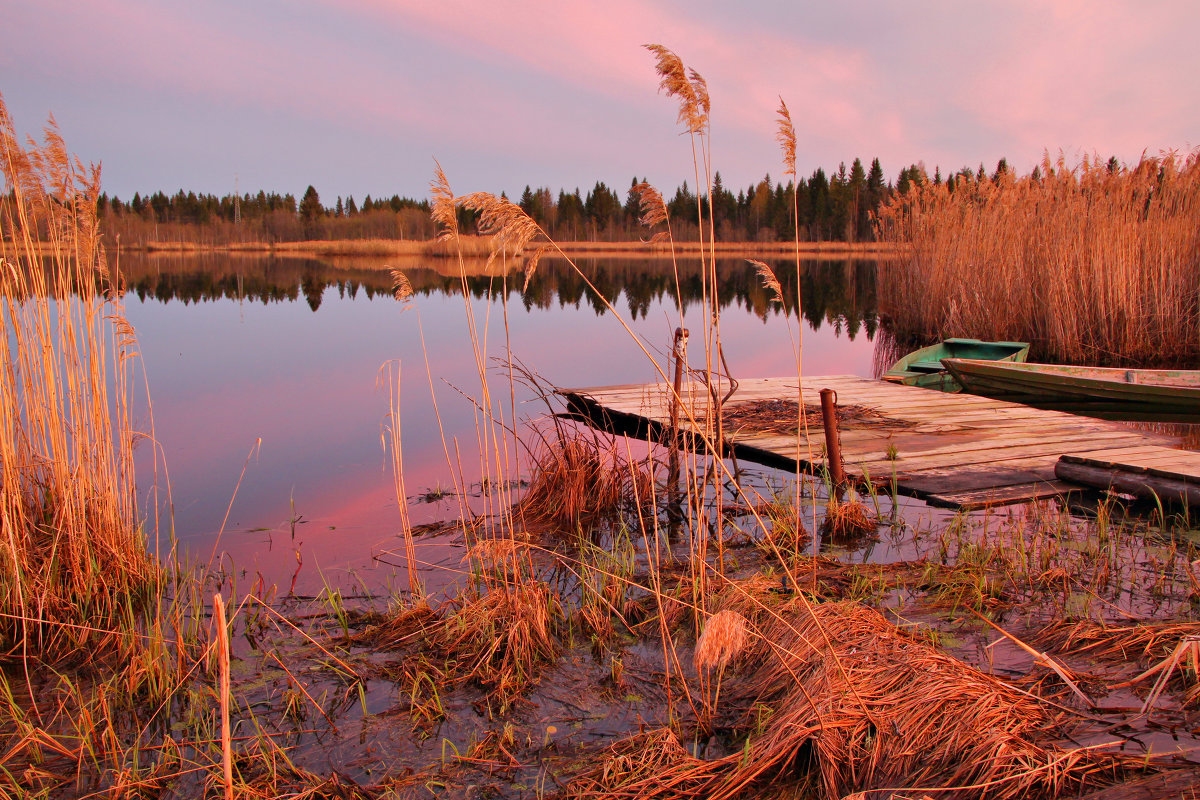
(829, 207)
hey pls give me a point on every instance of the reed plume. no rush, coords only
(769, 281)
(402, 288)
(653, 209)
(724, 638)
(786, 136)
(687, 85)
(443, 211)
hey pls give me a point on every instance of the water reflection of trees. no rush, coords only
(838, 293)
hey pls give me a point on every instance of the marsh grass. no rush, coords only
(75, 571)
(1092, 263)
(580, 476)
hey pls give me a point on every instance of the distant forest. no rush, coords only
(835, 207)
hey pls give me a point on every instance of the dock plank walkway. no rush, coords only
(954, 450)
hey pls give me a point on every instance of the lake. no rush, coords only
(265, 380)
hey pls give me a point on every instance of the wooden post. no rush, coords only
(833, 444)
(680, 353)
(674, 509)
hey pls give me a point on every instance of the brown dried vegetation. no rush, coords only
(866, 707)
(1093, 264)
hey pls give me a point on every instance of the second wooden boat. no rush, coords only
(924, 367)
(1147, 392)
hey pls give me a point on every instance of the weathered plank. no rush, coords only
(1173, 477)
(1002, 495)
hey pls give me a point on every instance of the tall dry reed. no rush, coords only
(73, 557)
(1093, 264)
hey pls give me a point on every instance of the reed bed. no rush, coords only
(1093, 263)
(74, 565)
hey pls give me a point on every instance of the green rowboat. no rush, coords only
(924, 367)
(1151, 393)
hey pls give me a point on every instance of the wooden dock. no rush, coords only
(952, 450)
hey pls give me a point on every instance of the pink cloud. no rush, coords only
(598, 49)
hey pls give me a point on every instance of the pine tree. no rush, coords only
(311, 212)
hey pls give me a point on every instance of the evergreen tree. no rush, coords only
(856, 190)
(633, 201)
(602, 208)
(311, 212)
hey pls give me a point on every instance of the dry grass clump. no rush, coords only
(73, 562)
(576, 477)
(498, 638)
(867, 707)
(401, 626)
(501, 637)
(1144, 642)
(847, 518)
(787, 530)
(646, 765)
(1092, 264)
(881, 709)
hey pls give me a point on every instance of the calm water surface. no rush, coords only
(289, 352)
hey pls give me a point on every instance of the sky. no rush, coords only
(359, 97)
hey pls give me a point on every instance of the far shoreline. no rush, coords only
(475, 246)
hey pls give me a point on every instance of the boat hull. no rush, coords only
(1148, 393)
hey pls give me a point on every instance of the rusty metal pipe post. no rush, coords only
(833, 442)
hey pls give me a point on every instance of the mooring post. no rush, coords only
(833, 444)
(680, 352)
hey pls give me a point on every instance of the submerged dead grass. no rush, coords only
(1093, 264)
(836, 691)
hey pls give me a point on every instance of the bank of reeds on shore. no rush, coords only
(74, 556)
(1093, 264)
